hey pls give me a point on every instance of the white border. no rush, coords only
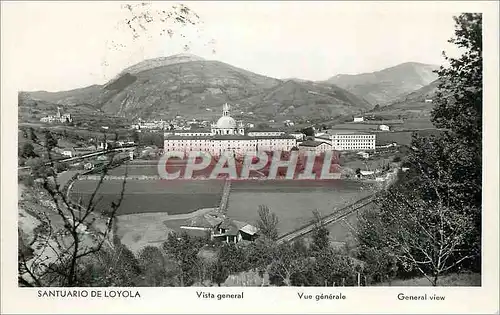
(263, 300)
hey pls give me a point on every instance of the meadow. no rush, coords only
(292, 201)
(400, 137)
(135, 169)
(146, 196)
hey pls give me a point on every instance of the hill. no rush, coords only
(189, 86)
(387, 85)
(294, 98)
(415, 104)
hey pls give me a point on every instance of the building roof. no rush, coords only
(323, 138)
(233, 227)
(347, 132)
(249, 229)
(265, 130)
(226, 137)
(226, 122)
(312, 143)
(199, 130)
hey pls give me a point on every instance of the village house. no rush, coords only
(220, 228)
(384, 128)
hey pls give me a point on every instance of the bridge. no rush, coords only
(226, 190)
(85, 156)
(327, 220)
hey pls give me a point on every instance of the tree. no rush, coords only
(153, 266)
(267, 223)
(458, 107)
(286, 263)
(27, 150)
(39, 169)
(230, 259)
(220, 272)
(381, 263)
(183, 251)
(332, 268)
(258, 255)
(320, 234)
(459, 101)
(425, 234)
(50, 141)
(32, 135)
(111, 266)
(309, 131)
(431, 219)
(76, 234)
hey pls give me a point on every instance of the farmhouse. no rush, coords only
(221, 228)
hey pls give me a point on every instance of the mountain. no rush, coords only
(190, 86)
(387, 85)
(160, 62)
(420, 95)
(414, 104)
(305, 99)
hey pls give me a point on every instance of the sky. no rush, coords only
(58, 46)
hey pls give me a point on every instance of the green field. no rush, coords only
(292, 201)
(401, 137)
(145, 196)
(135, 169)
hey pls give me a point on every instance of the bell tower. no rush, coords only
(225, 110)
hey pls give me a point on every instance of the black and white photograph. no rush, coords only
(225, 146)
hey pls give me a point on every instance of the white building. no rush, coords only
(67, 153)
(298, 135)
(154, 125)
(227, 136)
(60, 118)
(384, 128)
(226, 125)
(358, 119)
(352, 141)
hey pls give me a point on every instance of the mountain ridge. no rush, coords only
(386, 85)
(189, 85)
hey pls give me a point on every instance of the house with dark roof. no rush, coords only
(221, 228)
(232, 231)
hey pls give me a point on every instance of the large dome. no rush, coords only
(226, 122)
